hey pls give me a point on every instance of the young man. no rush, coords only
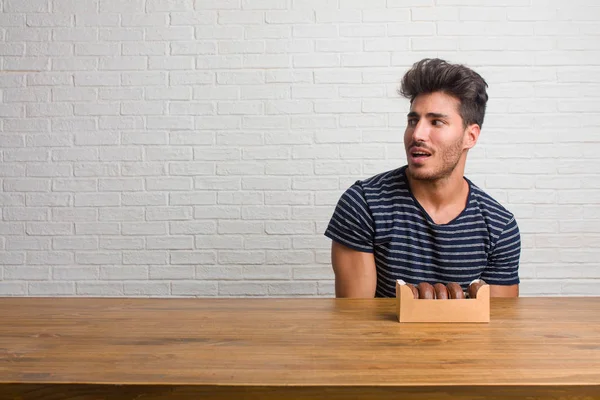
(425, 221)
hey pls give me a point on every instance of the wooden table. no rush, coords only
(67, 348)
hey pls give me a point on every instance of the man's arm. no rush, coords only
(355, 273)
(504, 291)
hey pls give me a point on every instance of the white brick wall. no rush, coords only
(198, 147)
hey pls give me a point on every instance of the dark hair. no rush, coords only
(434, 75)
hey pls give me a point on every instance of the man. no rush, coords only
(425, 221)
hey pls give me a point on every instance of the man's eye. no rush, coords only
(412, 122)
(437, 122)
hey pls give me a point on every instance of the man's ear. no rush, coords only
(471, 136)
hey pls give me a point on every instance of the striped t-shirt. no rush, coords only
(380, 215)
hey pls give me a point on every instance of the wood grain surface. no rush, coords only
(89, 348)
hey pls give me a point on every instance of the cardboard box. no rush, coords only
(410, 309)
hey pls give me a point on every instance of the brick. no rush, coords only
(25, 214)
(266, 61)
(7, 141)
(144, 49)
(289, 46)
(28, 34)
(266, 153)
(28, 6)
(190, 168)
(95, 169)
(245, 197)
(313, 273)
(192, 198)
(13, 257)
(92, 19)
(170, 243)
(217, 4)
(265, 212)
(289, 107)
(15, 20)
(121, 243)
(314, 92)
(211, 242)
(121, 34)
(145, 257)
(218, 183)
(169, 33)
(195, 288)
(120, 184)
(270, 242)
(191, 78)
(12, 199)
(147, 288)
(210, 212)
(51, 288)
(240, 168)
(240, 17)
(193, 18)
(48, 200)
(97, 199)
(97, 109)
(169, 5)
(171, 272)
(222, 272)
(73, 215)
(121, 214)
(160, 184)
(12, 170)
(96, 228)
(269, 272)
(87, 154)
(131, 6)
(223, 32)
(144, 199)
(264, 4)
(74, 6)
(96, 138)
(240, 227)
(218, 62)
(23, 272)
(143, 169)
(129, 272)
(143, 78)
(290, 17)
(243, 289)
(112, 289)
(192, 257)
(292, 288)
(316, 60)
(121, 94)
(49, 257)
(12, 110)
(267, 32)
(191, 108)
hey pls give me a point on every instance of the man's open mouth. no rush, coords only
(420, 154)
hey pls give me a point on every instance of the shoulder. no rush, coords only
(382, 182)
(492, 211)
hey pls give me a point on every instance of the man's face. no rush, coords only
(434, 137)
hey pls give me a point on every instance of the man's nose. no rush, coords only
(420, 132)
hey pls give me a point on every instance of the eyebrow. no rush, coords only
(413, 114)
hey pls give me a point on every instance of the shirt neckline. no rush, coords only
(425, 213)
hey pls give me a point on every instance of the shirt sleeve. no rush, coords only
(352, 223)
(503, 262)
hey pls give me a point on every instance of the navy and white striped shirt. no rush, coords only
(380, 215)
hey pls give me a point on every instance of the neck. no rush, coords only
(441, 193)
